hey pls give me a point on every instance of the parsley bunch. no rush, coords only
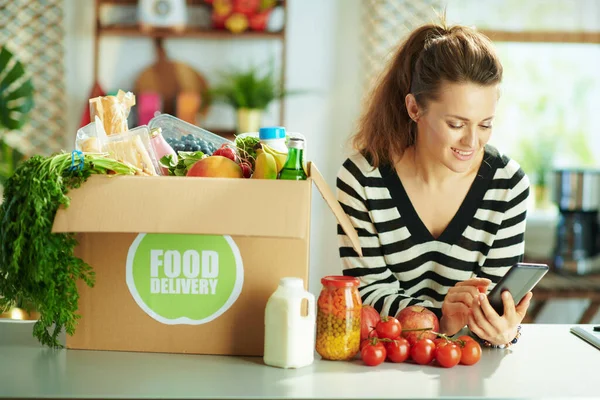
(38, 268)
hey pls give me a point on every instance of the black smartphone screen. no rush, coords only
(520, 279)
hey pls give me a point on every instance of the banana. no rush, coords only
(280, 157)
(265, 166)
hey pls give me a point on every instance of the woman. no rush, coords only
(439, 212)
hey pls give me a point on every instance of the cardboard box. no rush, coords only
(186, 265)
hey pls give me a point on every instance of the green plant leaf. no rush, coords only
(9, 160)
(16, 91)
(255, 87)
(5, 57)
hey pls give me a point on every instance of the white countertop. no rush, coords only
(548, 362)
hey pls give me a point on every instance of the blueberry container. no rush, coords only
(183, 136)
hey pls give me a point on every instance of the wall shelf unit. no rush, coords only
(133, 30)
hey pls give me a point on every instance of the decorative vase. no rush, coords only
(20, 314)
(248, 120)
(542, 196)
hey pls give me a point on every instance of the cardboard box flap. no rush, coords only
(335, 207)
(212, 206)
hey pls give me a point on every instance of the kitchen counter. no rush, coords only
(548, 361)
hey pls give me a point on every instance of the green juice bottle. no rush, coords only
(292, 169)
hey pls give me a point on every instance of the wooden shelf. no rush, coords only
(134, 2)
(188, 2)
(543, 36)
(135, 31)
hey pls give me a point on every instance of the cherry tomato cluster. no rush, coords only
(385, 343)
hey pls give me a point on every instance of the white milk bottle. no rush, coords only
(289, 335)
(273, 136)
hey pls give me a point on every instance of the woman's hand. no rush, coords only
(485, 322)
(458, 303)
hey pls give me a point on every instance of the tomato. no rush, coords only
(373, 339)
(423, 351)
(439, 341)
(448, 355)
(373, 354)
(398, 350)
(388, 328)
(363, 343)
(471, 353)
(466, 338)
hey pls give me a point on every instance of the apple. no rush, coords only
(246, 7)
(369, 318)
(418, 317)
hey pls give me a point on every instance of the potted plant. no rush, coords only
(537, 160)
(16, 100)
(249, 92)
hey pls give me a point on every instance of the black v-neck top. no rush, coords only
(402, 263)
(465, 213)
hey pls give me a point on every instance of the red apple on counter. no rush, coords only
(418, 317)
(369, 318)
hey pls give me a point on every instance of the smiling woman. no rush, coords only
(440, 213)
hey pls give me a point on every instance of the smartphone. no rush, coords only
(519, 280)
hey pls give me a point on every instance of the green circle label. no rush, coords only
(184, 279)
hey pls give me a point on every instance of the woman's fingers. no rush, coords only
(463, 297)
(509, 305)
(524, 305)
(481, 319)
(453, 308)
(474, 327)
(471, 290)
(490, 314)
(475, 282)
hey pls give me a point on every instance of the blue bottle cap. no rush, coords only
(271, 132)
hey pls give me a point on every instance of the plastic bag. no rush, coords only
(112, 111)
(133, 147)
(87, 139)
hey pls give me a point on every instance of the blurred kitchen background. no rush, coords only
(170, 53)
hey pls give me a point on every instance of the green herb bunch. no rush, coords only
(37, 267)
(246, 146)
(185, 160)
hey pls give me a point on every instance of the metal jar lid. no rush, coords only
(295, 143)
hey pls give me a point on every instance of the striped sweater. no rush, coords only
(402, 263)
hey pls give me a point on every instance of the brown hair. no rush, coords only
(431, 55)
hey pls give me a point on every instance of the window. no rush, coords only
(550, 102)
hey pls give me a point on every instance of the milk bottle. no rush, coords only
(289, 336)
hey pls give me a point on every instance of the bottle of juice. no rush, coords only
(293, 169)
(161, 148)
